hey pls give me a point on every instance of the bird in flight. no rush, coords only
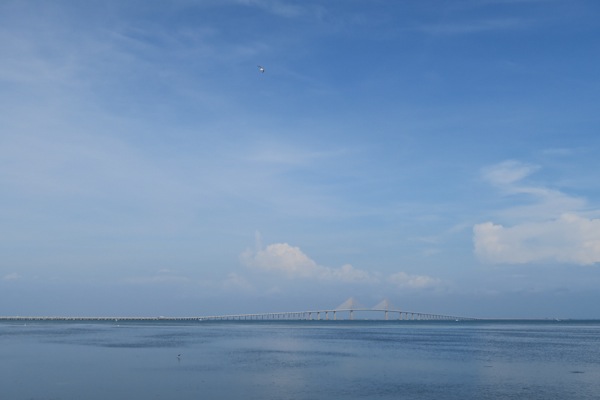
(261, 69)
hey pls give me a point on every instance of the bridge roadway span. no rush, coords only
(327, 315)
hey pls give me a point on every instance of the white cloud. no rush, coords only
(549, 227)
(281, 257)
(291, 261)
(569, 239)
(404, 280)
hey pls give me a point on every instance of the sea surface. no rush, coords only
(300, 360)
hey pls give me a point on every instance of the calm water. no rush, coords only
(300, 360)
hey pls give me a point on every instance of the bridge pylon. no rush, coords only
(349, 305)
(384, 305)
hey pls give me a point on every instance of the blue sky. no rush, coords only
(441, 155)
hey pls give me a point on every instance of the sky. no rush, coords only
(440, 155)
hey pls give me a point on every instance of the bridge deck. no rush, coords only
(336, 314)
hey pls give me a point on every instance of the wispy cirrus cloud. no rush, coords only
(283, 8)
(160, 278)
(506, 173)
(404, 280)
(469, 27)
(11, 277)
(551, 226)
(237, 282)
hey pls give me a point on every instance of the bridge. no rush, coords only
(348, 310)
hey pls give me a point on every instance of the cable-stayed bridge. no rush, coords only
(348, 310)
